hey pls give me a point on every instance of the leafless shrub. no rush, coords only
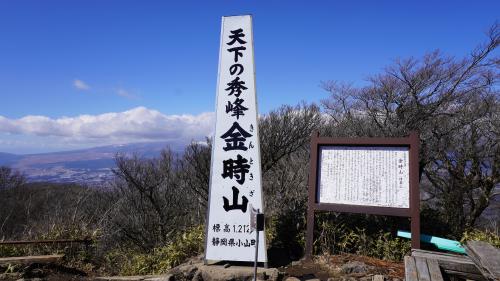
(50, 211)
(10, 178)
(195, 170)
(285, 131)
(151, 205)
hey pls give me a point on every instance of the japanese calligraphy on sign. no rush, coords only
(235, 179)
(368, 176)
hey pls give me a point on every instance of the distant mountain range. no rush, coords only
(92, 165)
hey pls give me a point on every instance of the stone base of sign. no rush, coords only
(335, 268)
(205, 273)
(236, 273)
(195, 270)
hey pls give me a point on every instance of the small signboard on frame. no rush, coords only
(377, 176)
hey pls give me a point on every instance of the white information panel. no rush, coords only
(235, 176)
(366, 176)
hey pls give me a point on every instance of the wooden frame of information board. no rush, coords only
(413, 212)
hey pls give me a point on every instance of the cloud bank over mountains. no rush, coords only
(139, 124)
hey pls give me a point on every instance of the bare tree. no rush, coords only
(285, 131)
(452, 103)
(465, 168)
(50, 210)
(195, 169)
(151, 205)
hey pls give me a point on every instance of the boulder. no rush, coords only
(355, 267)
(235, 273)
(167, 277)
(184, 272)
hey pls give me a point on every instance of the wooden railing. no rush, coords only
(41, 258)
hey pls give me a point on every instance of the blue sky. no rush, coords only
(104, 63)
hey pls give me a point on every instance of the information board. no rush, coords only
(378, 176)
(235, 175)
(367, 176)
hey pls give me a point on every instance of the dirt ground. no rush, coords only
(325, 267)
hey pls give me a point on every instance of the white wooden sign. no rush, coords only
(235, 176)
(367, 176)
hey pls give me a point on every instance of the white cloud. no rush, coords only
(126, 94)
(80, 85)
(135, 125)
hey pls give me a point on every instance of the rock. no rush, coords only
(378, 277)
(184, 272)
(124, 278)
(355, 267)
(167, 277)
(343, 278)
(335, 279)
(236, 273)
(197, 277)
(269, 274)
(9, 276)
(308, 276)
(292, 279)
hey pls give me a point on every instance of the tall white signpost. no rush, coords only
(235, 174)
